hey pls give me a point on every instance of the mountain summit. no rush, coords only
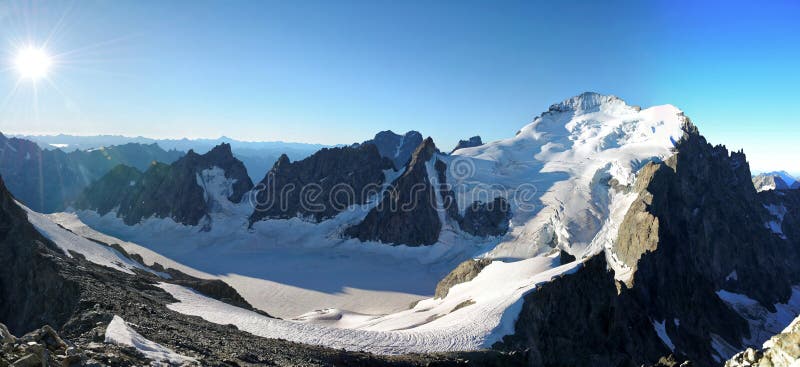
(186, 191)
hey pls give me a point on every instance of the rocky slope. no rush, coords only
(321, 185)
(780, 350)
(685, 239)
(407, 212)
(49, 180)
(187, 190)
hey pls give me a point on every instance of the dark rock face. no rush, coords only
(487, 219)
(579, 320)
(29, 280)
(479, 219)
(321, 185)
(474, 141)
(166, 191)
(698, 219)
(397, 148)
(407, 213)
(49, 180)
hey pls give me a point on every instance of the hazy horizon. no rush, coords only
(337, 73)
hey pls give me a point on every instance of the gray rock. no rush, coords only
(407, 213)
(5, 335)
(464, 272)
(30, 360)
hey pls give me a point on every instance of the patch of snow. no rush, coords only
(120, 333)
(216, 189)
(732, 276)
(763, 323)
(776, 225)
(661, 330)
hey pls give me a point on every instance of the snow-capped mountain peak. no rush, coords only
(590, 102)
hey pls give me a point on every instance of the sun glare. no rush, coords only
(33, 63)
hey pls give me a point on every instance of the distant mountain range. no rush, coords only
(778, 180)
(258, 157)
(48, 180)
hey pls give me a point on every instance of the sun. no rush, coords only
(33, 63)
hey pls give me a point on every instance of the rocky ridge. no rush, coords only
(683, 238)
(187, 190)
(397, 148)
(474, 141)
(322, 185)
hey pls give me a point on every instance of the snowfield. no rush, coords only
(120, 333)
(561, 174)
(418, 330)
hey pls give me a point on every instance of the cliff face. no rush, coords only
(407, 213)
(479, 219)
(698, 227)
(30, 278)
(185, 191)
(321, 185)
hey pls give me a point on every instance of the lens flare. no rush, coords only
(33, 63)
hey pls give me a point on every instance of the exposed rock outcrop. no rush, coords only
(765, 182)
(186, 191)
(474, 141)
(580, 320)
(321, 185)
(779, 351)
(464, 272)
(698, 219)
(397, 148)
(407, 213)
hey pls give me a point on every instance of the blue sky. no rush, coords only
(337, 72)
